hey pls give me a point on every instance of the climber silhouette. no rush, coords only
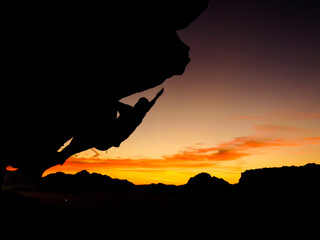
(129, 119)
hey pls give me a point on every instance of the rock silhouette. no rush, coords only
(63, 61)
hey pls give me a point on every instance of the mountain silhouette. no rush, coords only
(288, 184)
(205, 180)
(286, 176)
(262, 195)
(281, 182)
(82, 181)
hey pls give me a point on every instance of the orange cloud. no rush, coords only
(312, 140)
(271, 128)
(244, 117)
(181, 163)
(288, 115)
(206, 154)
(191, 157)
(280, 115)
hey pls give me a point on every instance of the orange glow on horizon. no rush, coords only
(221, 161)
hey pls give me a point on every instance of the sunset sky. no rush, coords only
(249, 98)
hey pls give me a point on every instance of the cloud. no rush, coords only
(195, 156)
(246, 117)
(206, 155)
(297, 116)
(237, 148)
(312, 140)
(280, 116)
(192, 157)
(271, 128)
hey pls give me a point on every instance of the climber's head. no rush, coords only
(142, 104)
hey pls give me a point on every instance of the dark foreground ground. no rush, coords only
(257, 203)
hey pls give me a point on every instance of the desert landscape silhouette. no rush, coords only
(291, 190)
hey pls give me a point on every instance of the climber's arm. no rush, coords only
(153, 101)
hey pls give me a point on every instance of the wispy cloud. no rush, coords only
(272, 128)
(312, 140)
(280, 116)
(193, 157)
(295, 115)
(247, 117)
(232, 150)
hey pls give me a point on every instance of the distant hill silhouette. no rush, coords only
(205, 180)
(283, 181)
(290, 185)
(82, 181)
(282, 176)
(303, 178)
(268, 194)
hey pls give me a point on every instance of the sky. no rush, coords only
(248, 99)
